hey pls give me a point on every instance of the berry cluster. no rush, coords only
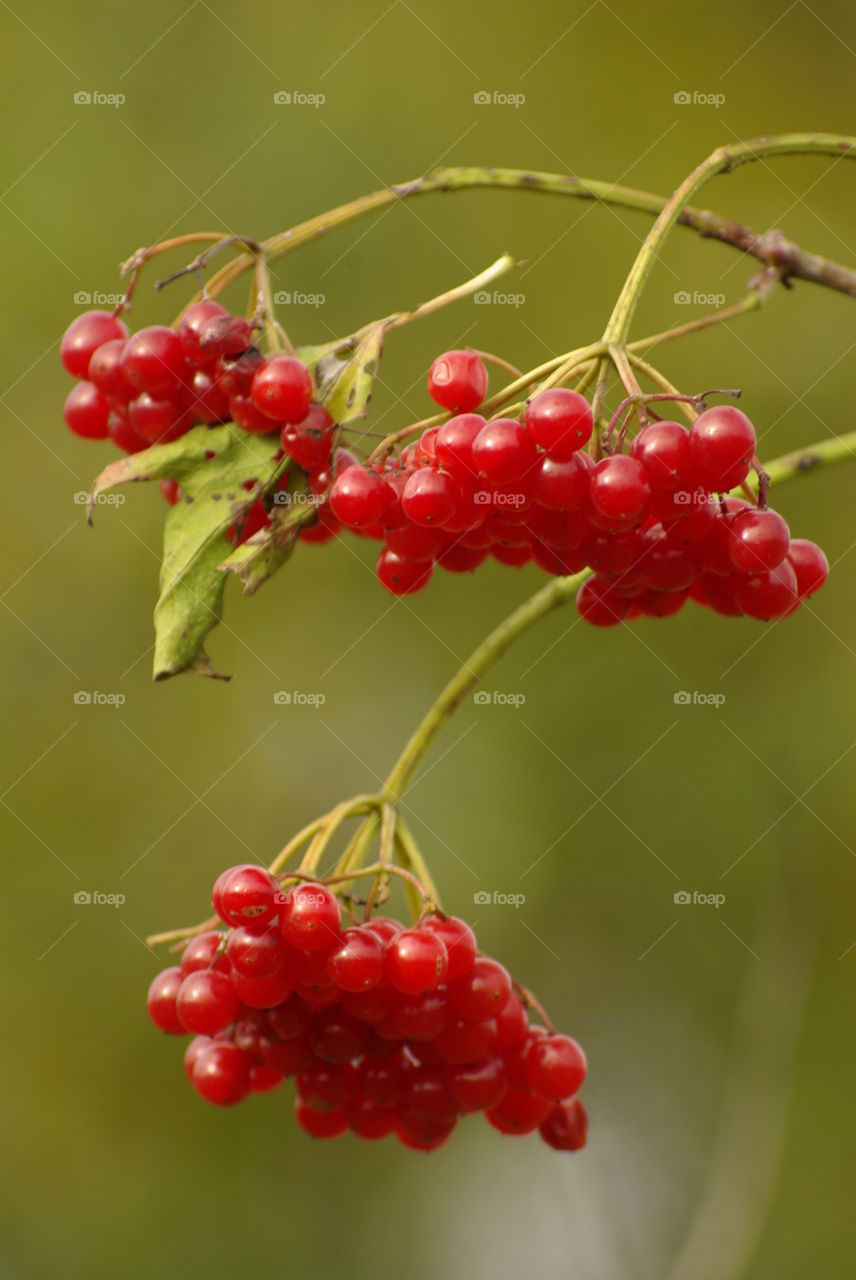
(152, 386)
(386, 1029)
(650, 522)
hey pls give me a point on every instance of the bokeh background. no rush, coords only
(721, 1039)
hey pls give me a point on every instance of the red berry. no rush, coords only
(381, 1081)
(336, 1036)
(429, 497)
(243, 412)
(328, 1124)
(263, 993)
(87, 412)
(479, 1086)
(282, 389)
(566, 1127)
(463, 1040)
(664, 450)
(221, 1073)
(161, 1001)
(358, 497)
(421, 1134)
(758, 540)
(416, 960)
(427, 1094)
(310, 917)
(192, 325)
(159, 420)
(453, 445)
(124, 436)
(460, 942)
(310, 442)
(457, 380)
(246, 895)
(326, 1086)
(153, 360)
(619, 489)
(483, 992)
(511, 1024)
(106, 372)
(561, 484)
(206, 1002)
(504, 451)
(201, 951)
(768, 595)
(369, 1121)
(402, 577)
(263, 1079)
(600, 604)
(257, 955)
(722, 442)
(555, 1067)
(559, 420)
(519, 1113)
(83, 337)
(358, 962)
(809, 564)
(208, 401)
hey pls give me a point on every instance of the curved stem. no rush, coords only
(765, 248)
(555, 593)
(722, 160)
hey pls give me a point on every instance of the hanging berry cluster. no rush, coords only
(386, 1030)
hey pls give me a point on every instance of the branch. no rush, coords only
(770, 248)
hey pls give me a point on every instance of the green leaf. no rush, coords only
(258, 559)
(345, 373)
(213, 466)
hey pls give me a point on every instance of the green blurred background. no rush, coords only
(618, 795)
